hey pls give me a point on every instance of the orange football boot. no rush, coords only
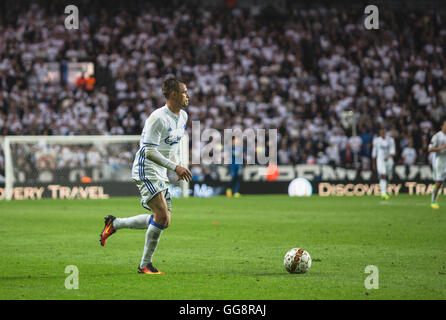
(108, 229)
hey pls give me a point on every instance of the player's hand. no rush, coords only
(183, 173)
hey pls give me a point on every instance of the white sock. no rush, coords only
(152, 237)
(137, 222)
(383, 186)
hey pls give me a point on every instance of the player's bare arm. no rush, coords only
(183, 173)
(436, 149)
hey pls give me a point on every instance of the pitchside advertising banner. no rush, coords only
(324, 180)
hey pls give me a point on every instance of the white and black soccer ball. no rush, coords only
(297, 260)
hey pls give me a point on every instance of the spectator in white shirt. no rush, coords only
(409, 154)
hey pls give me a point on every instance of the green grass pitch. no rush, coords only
(220, 248)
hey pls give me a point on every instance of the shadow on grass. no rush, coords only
(251, 274)
(33, 277)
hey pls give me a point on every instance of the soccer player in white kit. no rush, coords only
(382, 159)
(160, 139)
(438, 146)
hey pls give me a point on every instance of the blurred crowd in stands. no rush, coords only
(297, 69)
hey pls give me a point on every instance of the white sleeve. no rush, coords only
(152, 139)
(433, 143)
(392, 146)
(152, 134)
(176, 154)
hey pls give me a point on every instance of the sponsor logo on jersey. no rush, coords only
(172, 140)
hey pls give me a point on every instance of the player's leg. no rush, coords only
(382, 174)
(435, 192)
(237, 185)
(159, 220)
(230, 190)
(386, 178)
(135, 222)
(112, 224)
(438, 175)
(383, 187)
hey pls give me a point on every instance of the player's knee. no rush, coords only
(162, 217)
(167, 222)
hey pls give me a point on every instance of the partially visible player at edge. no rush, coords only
(438, 146)
(382, 160)
(157, 153)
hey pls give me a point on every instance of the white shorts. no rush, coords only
(385, 168)
(438, 170)
(149, 189)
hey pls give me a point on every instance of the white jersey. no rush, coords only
(409, 155)
(438, 140)
(382, 148)
(163, 130)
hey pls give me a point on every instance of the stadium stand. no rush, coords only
(243, 69)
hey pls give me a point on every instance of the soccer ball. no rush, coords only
(297, 260)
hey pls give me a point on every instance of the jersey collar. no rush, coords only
(171, 113)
